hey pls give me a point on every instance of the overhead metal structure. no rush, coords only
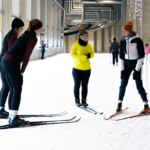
(99, 13)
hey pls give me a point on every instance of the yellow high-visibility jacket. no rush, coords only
(78, 53)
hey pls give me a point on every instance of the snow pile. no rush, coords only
(48, 88)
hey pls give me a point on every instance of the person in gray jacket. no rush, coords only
(132, 55)
(109, 44)
(42, 49)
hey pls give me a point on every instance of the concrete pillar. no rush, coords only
(133, 18)
(128, 14)
(46, 22)
(33, 9)
(39, 9)
(22, 10)
(103, 39)
(55, 25)
(109, 32)
(99, 41)
(146, 21)
(42, 14)
(65, 44)
(71, 40)
(52, 23)
(138, 23)
(49, 23)
(6, 19)
(59, 24)
(138, 27)
(106, 39)
(112, 32)
(123, 12)
(91, 39)
(117, 32)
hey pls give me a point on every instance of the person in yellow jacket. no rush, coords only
(81, 51)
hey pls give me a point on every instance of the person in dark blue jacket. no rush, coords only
(42, 49)
(115, 51)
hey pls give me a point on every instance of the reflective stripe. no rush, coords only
(130, 48)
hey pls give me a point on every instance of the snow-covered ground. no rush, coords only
(48, 88)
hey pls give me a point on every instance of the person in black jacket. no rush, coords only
(132, 55)
(42, 49)
(115, 51)
(10, 64)
(9, 40)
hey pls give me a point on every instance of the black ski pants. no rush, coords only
(4, 91)
(115, 56)
(79, 77)
(13, 76)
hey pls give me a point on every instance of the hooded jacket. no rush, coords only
(132, 52)
(114, 46)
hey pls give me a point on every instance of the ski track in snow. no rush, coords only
(48, 88)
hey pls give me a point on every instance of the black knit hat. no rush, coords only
(17, 23)
(114, 39)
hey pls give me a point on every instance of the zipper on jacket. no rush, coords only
(128, 49)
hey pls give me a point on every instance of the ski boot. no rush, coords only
(145, 110)
(84, 104)
(77, 102)
(119, 108)
(16, 122)
(4, 114)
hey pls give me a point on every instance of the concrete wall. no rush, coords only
(71, 40)
(28, 10)
(106, 39)
(91, 37)
(15, 8)
(99, 42)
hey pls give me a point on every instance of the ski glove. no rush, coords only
(136, 75)
(88, 55)
(146, 44)
(123, 74)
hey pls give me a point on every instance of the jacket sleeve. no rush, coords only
(122, 57)
(141, 52)
(30, 46)
(91, 51)
(74, 55)
(12, 40)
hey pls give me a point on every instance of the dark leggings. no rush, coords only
(115, 56)
(139, 85)
(81, 76)
(42, 57)
(13, 77)
(4, 91)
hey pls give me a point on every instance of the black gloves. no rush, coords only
(136, 75)
(146, 44)
(123, 74)
(88, 55)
